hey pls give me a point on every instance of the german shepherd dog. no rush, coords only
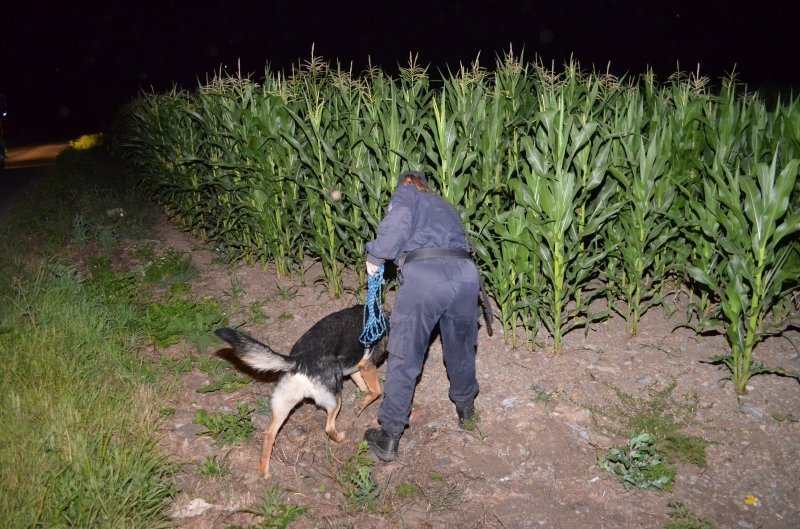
(315, 368)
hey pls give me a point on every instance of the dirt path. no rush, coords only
(532, 462)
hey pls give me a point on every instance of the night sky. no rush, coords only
(66, 70)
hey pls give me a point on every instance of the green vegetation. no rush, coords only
(407, 490)
(360, 491)
(275, 513)
(213, 467)
(682, 517)
(657, 413)
(78, 407)
(168, 322)
(639, 465)
(575, 186)
(227, 428)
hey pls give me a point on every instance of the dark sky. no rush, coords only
(65, 70)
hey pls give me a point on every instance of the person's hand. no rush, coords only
(372, 269)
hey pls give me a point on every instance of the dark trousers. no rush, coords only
(443, 291)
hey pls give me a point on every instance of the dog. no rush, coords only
(315, 368)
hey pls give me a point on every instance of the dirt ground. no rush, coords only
(532, 461)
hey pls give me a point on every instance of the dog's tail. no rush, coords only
(254, 353)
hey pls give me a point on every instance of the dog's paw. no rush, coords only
(338, 437)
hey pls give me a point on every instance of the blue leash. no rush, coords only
(374, 320)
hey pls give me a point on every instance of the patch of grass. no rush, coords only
(360, 490)
(166, 323)
(172, 266)
(471, 424)
(275, 513)
(443, 496)
(76, 444)
(287, 293)
(210, 365)
(78, 415)
(681, 517)
(407, 490)
(179, 366)
(115, 286)
(658, 413)
(541, 394)
(262, 405)
(256, 313)
(81, 230)
(227, 428)
(213, 467)
(227, 383)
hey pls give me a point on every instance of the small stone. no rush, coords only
(508, 403)
(753, 411)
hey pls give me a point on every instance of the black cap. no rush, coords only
(419, 175)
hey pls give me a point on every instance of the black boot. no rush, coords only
(382, 444)
(467, 417)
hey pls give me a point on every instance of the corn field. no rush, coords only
(584, 194)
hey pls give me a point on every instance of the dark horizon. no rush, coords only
(67, 70)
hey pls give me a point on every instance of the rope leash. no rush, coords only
(374, 320)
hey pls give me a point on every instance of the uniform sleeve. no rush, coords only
(395, 229)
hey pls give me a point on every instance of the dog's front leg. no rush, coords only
(369, 374)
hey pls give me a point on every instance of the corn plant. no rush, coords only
(642, 230)
(761, 261)
(552, 186)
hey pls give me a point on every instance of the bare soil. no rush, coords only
(532, 462)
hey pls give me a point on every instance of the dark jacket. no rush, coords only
(415, 219)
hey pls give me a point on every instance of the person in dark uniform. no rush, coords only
(422, 233)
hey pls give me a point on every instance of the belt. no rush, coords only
(431, 253)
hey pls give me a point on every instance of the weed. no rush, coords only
(287, 293)
(262, 405)
(227, 427)
(172, 266)
(213, 467)
(209, 365)
(81, 230)
(781, 417)
(114, 286)
(444, 497)
(179, 288)
(472, 423)
(541, 394)
(407, 490)
(437, 477)
(257, 314)
(658, 414)
(358, 487)
(274, 512)
(107, 236)
(286, 316)
(681, 517)
(167, 412)
(639, 465)
(178, 367)
(227, 383)
(168, 322)
(144, 252)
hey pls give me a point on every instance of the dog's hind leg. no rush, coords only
(284, 399)
(369, 374)
(330, 425)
